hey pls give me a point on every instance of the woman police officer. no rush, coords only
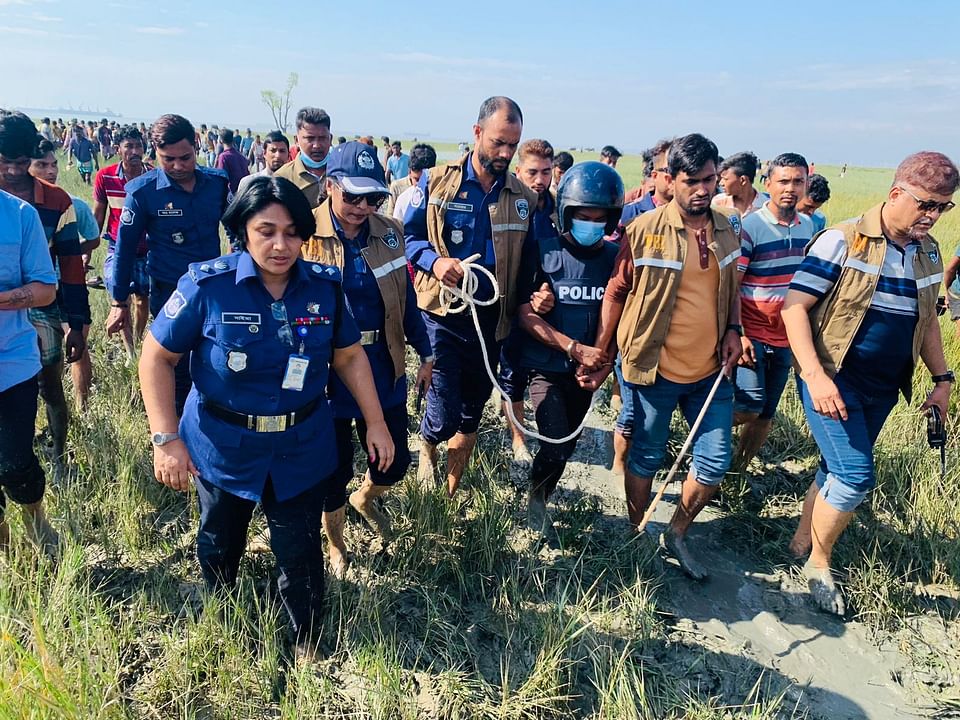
(368, 248)
(263, 327)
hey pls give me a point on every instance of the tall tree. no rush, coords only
(279, 102)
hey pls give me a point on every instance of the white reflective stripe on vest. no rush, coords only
(928, 281)
(862, 266)
(658, 262)
(732, 257)
(395, 264)
(506, 227)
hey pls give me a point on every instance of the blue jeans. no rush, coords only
(846, 474)
(624, 424)
(759, 388)
(295, 527)
(653, 407)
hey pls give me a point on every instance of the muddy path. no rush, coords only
(748, 609)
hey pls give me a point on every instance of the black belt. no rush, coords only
(262, 423)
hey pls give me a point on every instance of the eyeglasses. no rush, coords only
(929, 206)
(374, 200)
(285, 333)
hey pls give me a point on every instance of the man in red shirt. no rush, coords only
(108, 196)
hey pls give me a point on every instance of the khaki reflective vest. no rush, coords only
(313, 187)
(658, 243)
(509, 221)
(836, 318)
(385, 257)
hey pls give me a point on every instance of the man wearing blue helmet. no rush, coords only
(575, 266)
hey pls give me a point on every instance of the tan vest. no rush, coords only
(311, 186)
(385, 257)
(658, 243)
(509, 221)
(835, 319)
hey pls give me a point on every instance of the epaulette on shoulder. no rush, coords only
(214, 172)
(324, 272)
(211, 268)
(149, 177)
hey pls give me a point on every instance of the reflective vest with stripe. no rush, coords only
(385, 257)
(658, 244)
(508, 228)
(836, 318)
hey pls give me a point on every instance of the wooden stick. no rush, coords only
(683, 451)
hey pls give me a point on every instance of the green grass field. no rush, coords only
(461, 617)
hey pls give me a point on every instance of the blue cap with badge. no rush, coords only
(356, 167)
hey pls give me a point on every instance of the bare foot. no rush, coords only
(373, 515)
(676, 548)
(42, 534)
(521, 454)
(427, 467)
(536, 513)
(824, 589)
(339, 564)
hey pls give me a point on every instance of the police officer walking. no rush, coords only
(262, 328)
(472, 206)
(576, 266)
(178, 205)
(368, 249)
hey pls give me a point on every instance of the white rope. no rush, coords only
(456, 300)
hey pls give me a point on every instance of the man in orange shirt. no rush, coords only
(674, 286)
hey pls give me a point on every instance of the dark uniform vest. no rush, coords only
(578, 285)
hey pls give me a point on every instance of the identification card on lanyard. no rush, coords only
(296, 373)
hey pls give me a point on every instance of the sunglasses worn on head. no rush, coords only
(374, 200)
(926, 206)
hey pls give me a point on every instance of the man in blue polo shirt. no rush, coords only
(27, 280)
(178, 205)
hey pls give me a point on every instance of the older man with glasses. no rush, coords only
(860, 311)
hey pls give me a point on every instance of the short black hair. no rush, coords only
(563, 160)
(276, 136)
(45, 147)
(648, 158)
(690, 154)
(818, 189)
(261, 192)
(788, 160)
(422, 156)
(496, 103)
(128, 132)
(743, 164)
(18, 135)
(386, 140)
(313, 116)
(610, 151)
(226, 137)
(171, 129)
(341, 140)
(396, 143)
(662, 147)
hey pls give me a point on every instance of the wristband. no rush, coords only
(570, 348)
(427, 359)
(738, 329)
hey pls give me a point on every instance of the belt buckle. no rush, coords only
(271, 423)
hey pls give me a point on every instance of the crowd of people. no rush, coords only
(264, 366)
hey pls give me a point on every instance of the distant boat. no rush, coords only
(70, 111)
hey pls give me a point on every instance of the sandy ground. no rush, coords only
(764, 618)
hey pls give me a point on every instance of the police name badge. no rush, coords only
(390, 240)
(456, 236)
(296, 373)
(177, 238)
(523, 208)
(237, 361)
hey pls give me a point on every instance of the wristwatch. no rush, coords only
(948, 376)
(427, 359)
(738, 329)
(159, 439)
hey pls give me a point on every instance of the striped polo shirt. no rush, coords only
(59, 221)
(881, 352)
(109, 188)
(771, 251)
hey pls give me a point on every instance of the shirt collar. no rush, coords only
(471, 174)
(247, 268)
(774, 220)
(164, 181)
(361, 239)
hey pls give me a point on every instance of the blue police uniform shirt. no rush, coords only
(181, 227)
(366, 304)
(543, 226)
(467, 228)
(637, 208)
(236, 334)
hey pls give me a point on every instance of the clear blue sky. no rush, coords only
(858, 82)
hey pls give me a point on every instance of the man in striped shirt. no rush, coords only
(860, 312)
(772, 240)
(109, 193)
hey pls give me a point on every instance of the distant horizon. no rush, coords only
(828, 80)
